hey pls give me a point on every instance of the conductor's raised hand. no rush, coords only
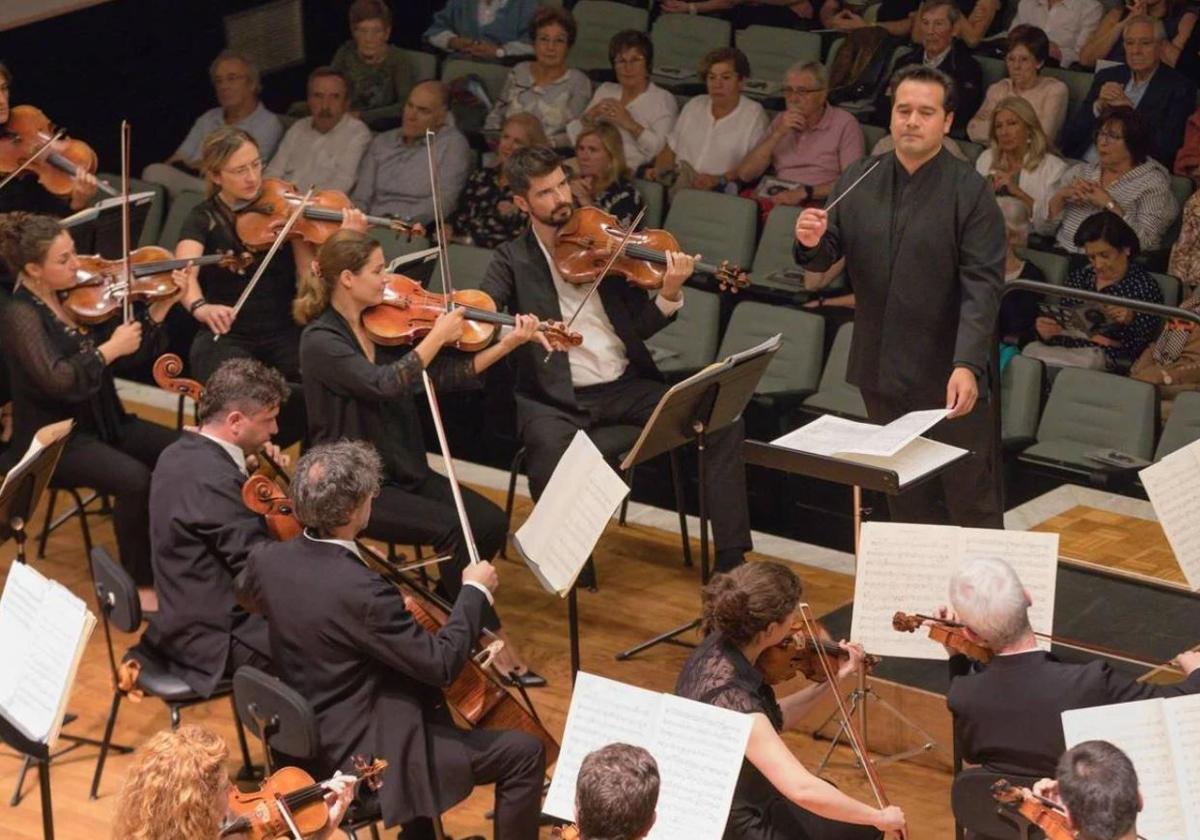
(962, 392)
(811, 225)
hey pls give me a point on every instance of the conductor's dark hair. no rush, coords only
(929, 75)
(741, 603)
(1135, 130)
(1107, 226)
(528, 163)
(1099, 786)
(244, 385)
(616, 793)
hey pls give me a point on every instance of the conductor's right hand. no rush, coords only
(890, 818)
(484, 573)
(811, 226)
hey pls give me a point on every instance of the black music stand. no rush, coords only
(39, 753)
(707, 402)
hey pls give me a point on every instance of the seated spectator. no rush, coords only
(1125, 181)
(1020, 160)
(601, 178)
(1163, 97)
(616, 793)
(1025, 57)
(379, 73)
(941, 48)
(1097, 788)
(486, 216)
(1108, 42)
(743, 13)
(810, 144)
(484, 29)
(235, 80)
(1187, 159)
(642, 111)
(393, 177)
(1172, 363)
(1067, 23)
(1120, 334)
(1185, 253)
(979, 20)
(545, 87)
(895, 16)
(1019, 309)
(323, 150)
(715, 131)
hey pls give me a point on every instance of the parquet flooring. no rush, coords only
(1114, 540)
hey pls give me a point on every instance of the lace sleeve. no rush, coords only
(71, 378)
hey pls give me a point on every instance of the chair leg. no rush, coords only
(681, 506)
(247, 764)
(83, 522)
(518, 461)
(47, 806)
(17, 794)
(625, 502)
(374, 832)
(104, 744)
(45, 535)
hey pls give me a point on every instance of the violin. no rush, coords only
(797, 654)
(259, 813)
(23, 142)
(588, 239)
(258, 221)
(944, 632)
(1041, 812)
(100, 289)
(409, 311)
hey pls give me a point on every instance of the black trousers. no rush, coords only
(123, 472)
(967, 494)
(515, 762)
(427, 516)
(785, 820)
(547, 432)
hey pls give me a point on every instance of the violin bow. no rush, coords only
(275, 246)
(33, 158)
(439, 223)
(127, 269)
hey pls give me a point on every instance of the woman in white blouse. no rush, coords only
(1028, 49)
(1020, 160)
(643, 112)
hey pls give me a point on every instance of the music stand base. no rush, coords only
(860, 697)
(667, 638)
(77, 741)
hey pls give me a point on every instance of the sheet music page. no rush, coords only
(1140, 730)
(1183, 728)
(564, 526)
(1171, 486)
(24, 591)
(602, 712)
(42, 438)
(1033, 556)
(902, 431)
(919, 457)
(827, 435)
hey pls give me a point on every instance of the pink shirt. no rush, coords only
(818, 155)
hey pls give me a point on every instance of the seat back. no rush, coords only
(423, 64)
(681, 40)
(181, 206)
(597, 21)
(872, 134)
(491, 74)
(1170, 287)
(978, 812)
(773, 256)
(116, 593)
(716, 225)
(971, 150)
(834, 393)
(993, 69)
(1183, 425)
(1054, 266)
(276, 713)
(796, 367)
(1020, 399)
(468, 263)
(690, 341)
(773, 49)
(655, 197)
(1100, 410)
(1078, 84)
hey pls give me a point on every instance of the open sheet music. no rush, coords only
(1162, 739)
(699, 750)
(907, 568)
(45, 629)
(1171, 486)
(561, 532)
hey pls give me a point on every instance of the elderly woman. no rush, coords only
(715, 131)
(1125, 182)
(642, 111)
(486, 215)
(1020, 159)
(1026, 54)
(1018, 309)
(810, 144)
(545, 87)
(601, 176)
(486, 29)
(1117, 335)
(1108, 42)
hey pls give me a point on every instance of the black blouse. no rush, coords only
(486, 211)
(621, 199)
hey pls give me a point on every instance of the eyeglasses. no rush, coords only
(799, 91)
(550, 39)
(1109, 135)
(229, 79)
(243, 171)
(630, 59)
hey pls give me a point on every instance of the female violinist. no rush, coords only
(61, 369)
(359, 391)
(747, 611)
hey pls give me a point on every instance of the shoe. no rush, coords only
(529, 679)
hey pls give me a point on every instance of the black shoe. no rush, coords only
(529, 679)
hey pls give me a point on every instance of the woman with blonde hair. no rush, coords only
(601, 178)
(1020, 160)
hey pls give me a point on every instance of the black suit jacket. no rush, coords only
(960, 66)
(519, 280)
(1008, 716)
(1169, 100)
(342, 637)
(201, 533)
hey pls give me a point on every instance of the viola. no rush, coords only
(1041, 812)
(100, 289)
(22, 141)
(257, 813)
(258, 221)
(409, 311)
(588, 240)
(798, 654)
(948, 633)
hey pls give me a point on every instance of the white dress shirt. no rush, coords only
(654, 109)
(325, 160)
(1068, 24)
(232, 449)
(712, 146)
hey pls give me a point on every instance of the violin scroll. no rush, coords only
(731, 278)
(945, 632)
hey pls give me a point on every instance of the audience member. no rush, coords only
(1067, 23)
(486, 216)
(323, 150)
(941, 48)
(1125, 181)
(1025, 56)
(1019, 309)
(895, 16)
(393, 177)
(545, 87)
(1187, 159)
(616, 793)
(715, 131)
(979, 20)
(379, 73)
(1108, 42)
(484, 29)
(642, 111)
(810, 144)
(1162, 96)
(1185, 253)
(235, 79)
(601, 178)
(1172, 363)
(1020, 160)
(1097, 787)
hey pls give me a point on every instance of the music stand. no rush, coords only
(34, 751)
(707, 402)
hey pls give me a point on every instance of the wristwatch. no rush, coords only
(1111, 207)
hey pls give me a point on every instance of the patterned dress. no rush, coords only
(487, 215)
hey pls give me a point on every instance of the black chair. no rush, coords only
(286, 724)
(117, 600)
(981, 816)
(51, 523)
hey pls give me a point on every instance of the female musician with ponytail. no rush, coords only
(747, 611)
(356, 390)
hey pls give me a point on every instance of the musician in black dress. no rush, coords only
(357, 390)
(61, 369)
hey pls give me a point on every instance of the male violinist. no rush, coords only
(1097, 787)
(610, 379)
(345, 639)
(616, 793)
